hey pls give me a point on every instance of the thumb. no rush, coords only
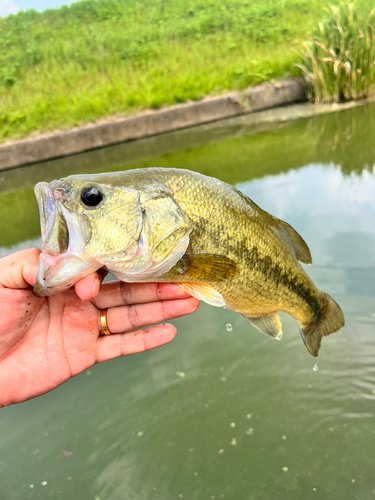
(19, 269)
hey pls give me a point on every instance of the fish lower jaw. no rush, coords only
(57, 273)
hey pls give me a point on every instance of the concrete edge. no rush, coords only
(93, 136)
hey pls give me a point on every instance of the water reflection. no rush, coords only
(334, 212)
(136, 428)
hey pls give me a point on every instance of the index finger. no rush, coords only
(118, 293)
(88, 288)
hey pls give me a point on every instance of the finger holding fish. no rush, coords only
(118, 293)
(88, 288)
(132, 317)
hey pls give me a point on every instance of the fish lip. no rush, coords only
(50, 198)
(47, 210)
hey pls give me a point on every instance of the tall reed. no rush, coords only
(338, 62)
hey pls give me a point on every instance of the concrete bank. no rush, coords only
(119, 156)
(150, 123)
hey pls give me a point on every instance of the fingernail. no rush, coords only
(159, 336)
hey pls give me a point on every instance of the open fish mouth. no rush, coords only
(54, 230)
(64, 235)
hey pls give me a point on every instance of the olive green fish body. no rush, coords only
(208, 236)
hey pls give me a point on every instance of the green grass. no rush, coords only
(97, 59)
(339, 59)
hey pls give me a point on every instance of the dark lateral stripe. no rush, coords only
(275, 272)
(271, 271)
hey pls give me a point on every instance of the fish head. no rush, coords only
(82, 221)
(136, 233)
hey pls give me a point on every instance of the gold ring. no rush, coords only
(103, 321)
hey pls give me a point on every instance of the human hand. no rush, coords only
(46, 341)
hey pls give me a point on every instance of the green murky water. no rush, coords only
(250, 419)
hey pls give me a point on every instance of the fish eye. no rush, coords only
(91, 196)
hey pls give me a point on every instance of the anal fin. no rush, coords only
(270, 325)
(204, 293)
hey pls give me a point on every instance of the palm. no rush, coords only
(44, 342)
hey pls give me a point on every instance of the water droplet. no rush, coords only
(285, 469)
(181, 374)
(248, 416)
(250, 431)
(31, 486)
(220, 452)
(140, 434)
(229, 327)
(233, 425)
(233, 442)
(315, 368)
(44, 483)
(283, 438)
(314, 489)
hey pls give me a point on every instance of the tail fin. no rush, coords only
(329, 321)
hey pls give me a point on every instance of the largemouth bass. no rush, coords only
(172, 225)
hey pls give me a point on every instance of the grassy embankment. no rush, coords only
(70, 66)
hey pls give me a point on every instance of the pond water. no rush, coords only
(221, 412)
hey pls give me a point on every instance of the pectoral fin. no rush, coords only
(269, 324)
(206, 267)
(204, 293)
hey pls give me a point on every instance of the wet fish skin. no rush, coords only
(173, 225)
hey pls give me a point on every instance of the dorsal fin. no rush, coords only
(299, 245)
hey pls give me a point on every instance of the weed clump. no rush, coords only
(338, 63)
